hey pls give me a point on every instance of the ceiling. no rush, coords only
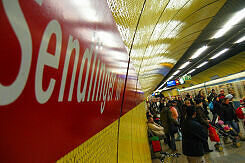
(161, 35)
(229, 66)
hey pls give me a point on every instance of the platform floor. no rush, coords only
(230, 154)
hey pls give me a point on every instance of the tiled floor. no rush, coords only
(230, 154)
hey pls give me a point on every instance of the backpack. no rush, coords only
(211, 106)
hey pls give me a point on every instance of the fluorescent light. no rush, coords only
(240, 40)
(230, 23)
(176, 72)
(170, 78)
(199, 52)
(165, 88)
(184, 65)
(191, 71)
(219, 53)
(204, 63)
(161, 85)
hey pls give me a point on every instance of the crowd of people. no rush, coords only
(188, 120)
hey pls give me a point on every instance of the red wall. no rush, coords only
(43, 42)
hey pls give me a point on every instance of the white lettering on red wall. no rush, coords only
(105, 83)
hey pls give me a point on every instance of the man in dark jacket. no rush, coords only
(203, 119)
(193, 137)
(201, 97)
(216, 109)
(180, 102)
(211, 96)
(167, 122)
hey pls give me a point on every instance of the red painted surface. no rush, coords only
(37, 124)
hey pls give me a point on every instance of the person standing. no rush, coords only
(183, 113)
(203, 119)
(176, 115)
(216, 109)
(170, 127)
(211, 96)
(201, 97)
(180, 102)
(221, 95)
(229, 116)
(193, 137)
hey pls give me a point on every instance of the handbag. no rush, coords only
(156, 146)
(213, 134)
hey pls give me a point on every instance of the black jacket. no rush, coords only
(202, 117)
(183, 113)
(179, 104)
(217, 107)
(228, 113)
(193, 137)
(211, 97)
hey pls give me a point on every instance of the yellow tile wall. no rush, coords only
(133, 142)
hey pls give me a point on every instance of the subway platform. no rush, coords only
(229, 154)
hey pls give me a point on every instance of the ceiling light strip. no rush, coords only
(204, 63)
(219, 53)
(184, 65)
(176, 72)
(170, 78)
(230, 23)
(191, 71)
(199, 52)
(240, 40)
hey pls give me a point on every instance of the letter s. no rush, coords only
(9, 94)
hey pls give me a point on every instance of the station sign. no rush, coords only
(186, 77)
(63, 69)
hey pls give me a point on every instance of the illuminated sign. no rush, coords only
(171, 83)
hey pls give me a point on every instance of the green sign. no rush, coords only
(187, 77)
